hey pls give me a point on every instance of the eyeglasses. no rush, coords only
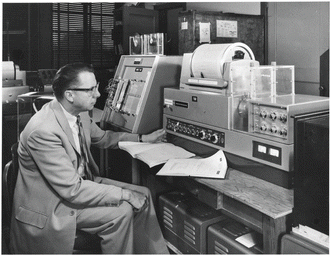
(90, 91)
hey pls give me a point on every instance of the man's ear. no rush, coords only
(69, 96)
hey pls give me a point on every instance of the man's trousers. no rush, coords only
(122, 230)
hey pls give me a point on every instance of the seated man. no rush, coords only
(59, 189)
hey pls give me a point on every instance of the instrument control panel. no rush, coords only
(270, 120)
(135, 93)
(198, 132)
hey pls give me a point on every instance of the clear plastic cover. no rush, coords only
(261, 82)
(255, 82)
(284, 76)
(240, 113)
(240, 78)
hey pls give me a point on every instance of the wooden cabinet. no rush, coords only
(130, 20)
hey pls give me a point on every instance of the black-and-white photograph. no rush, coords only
(165, 127)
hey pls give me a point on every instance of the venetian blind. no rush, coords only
(82, 32)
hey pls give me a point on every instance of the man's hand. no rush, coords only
(138, 200)
(155, 136)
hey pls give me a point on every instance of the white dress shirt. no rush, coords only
(72, 120)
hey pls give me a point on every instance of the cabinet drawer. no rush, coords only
(246, 214)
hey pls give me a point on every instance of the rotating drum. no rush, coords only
(208, 59)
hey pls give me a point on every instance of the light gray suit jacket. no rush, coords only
(49, 190)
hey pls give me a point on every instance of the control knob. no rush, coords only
(214, 138)
(283, 131)
(263, 114)
(176, 127)
(283, 118)
(273, 129)
(169, 126)
(263, 128)
(202, 134)
(273, 116)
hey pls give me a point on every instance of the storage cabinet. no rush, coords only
(224, 28)
(130, 20)
(311, 171)
(294, 244)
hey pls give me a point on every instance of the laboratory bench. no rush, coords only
(256, 203)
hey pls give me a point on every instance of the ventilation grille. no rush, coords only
(168, 218)
(189, 233)
(220, 249)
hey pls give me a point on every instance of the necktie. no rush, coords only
(83, 150)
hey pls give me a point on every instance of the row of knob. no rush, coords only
(212, 137)
(274, 129)
(273, 116)
(190, 130)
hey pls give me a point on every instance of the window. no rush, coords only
(82, 32)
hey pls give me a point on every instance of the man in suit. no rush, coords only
(59, 189)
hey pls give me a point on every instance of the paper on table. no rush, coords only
(154, 153)
(214, 166)
(160, 155)
(312, 234)
(248, 240)
(134, 148)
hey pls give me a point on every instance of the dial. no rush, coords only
(273, 116)
(273, 129)
(202, 134)
(263, 114)
(214, 138)
(283, 131)
(263, 127)
(283, 118)
(176, 127)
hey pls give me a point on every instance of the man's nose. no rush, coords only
(97, 93)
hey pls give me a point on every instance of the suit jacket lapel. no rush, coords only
(55, 105)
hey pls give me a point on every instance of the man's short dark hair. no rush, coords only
(67, 75)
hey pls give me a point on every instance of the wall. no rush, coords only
(253, 8)
(232, 7)
(298, 35)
